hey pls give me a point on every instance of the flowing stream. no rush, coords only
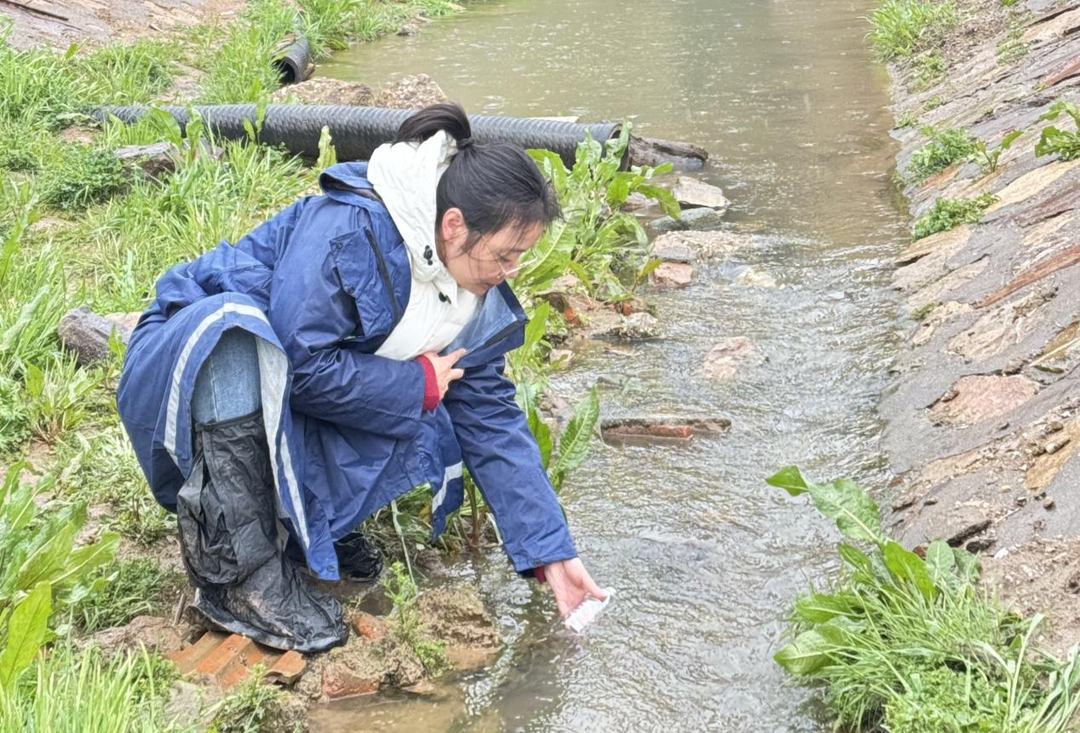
(705, 556)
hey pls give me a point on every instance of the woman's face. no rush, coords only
(492, 259)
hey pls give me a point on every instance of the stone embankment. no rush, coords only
(984, 416)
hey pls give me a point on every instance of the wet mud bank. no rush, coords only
(984, 413)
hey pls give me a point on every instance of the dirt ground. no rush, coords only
(60, 23)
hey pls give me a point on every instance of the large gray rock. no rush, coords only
(691, 219)
(86, 333)
(692, 193)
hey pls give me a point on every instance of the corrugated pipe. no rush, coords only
(357, 131)
(295, 63)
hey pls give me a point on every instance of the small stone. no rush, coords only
(672, 252)
(931, 501)
(409, 29)
(691, 193)
(155, 160)
(1013, 367)
(673, 275)
(729, 356)
(639, 326)
(635, 201)
(411, 92)
(339, 681)
(982, 544)
(369, 626)
(751, 277)
(1049, 503)
(1054, 446)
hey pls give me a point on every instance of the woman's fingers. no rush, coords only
(456, 374)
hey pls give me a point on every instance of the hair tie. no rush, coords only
(464, 142)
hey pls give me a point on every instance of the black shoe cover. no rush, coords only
(230, 542)
(358, 558)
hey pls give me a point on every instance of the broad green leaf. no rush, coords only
(856, 514)
(940, 563)
(574, 441)
(537, 327)
(807, 654)
(906, 566)
(817, 608)
(790, 479)
(25, 633)
(665, 198)
(855, 558)
(87, 558)
(46, 562)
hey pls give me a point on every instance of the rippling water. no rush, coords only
(706, 557)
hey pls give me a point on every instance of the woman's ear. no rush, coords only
(453, 229)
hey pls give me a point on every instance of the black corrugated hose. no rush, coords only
(357, 131)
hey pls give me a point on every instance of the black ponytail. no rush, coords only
(495, 185)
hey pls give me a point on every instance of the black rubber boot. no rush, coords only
(233, 550)
(358, 558)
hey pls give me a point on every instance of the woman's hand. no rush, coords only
(445, 373)
(570, 582)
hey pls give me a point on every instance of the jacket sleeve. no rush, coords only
(332, 380)
(504, 461)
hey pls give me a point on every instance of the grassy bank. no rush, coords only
(80, 227)
(909, 642)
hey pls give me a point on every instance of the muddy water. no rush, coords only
(705, 556)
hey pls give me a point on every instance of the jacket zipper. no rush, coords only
(385, 275)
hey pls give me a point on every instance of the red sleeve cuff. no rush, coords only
(431, 384)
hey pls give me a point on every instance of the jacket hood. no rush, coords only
(406, 175)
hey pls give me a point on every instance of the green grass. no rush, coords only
(949, 213)
(901, 28)
(78, 692)
(929, 68)
(944, 148)
(102, 469)
(907, 643)
(134, 588)
(251, 707)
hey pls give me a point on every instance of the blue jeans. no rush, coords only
(228, 383)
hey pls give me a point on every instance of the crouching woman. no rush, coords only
(281, 390)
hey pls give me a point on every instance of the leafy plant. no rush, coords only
(934, 102)
(902, 27)
(907, 118)
(83, 176)
(401, 590)
(944, 148)
(910, 644)
(605, 247)
(1053, 140)
(41, 570)
(58, 396)
(987, 158)
(948, 213)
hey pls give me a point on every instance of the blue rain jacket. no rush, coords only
(321, 285)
